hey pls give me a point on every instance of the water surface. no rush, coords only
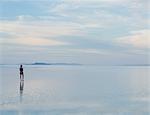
(75, 90)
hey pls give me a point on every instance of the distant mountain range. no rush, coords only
(42, 63)
(46, 63)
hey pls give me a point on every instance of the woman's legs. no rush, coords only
(21, 76)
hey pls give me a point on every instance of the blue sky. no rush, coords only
(105, 32)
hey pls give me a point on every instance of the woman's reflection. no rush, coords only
(21, 89)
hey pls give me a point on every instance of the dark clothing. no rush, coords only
(21, 70)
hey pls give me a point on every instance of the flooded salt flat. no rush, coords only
(75, 90)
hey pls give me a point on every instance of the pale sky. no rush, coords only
(104, 32)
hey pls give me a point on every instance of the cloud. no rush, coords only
(105, 13)
(36, 42)
(109, 2)
(137, 39)
(36, 32)
(37, 27)
(25, 17)
(81, 15)
(90, 51)
(90, 1)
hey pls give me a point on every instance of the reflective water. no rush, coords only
(75, 90)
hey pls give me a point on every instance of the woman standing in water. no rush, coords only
(21, 73)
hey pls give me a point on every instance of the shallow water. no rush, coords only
(75, 90)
